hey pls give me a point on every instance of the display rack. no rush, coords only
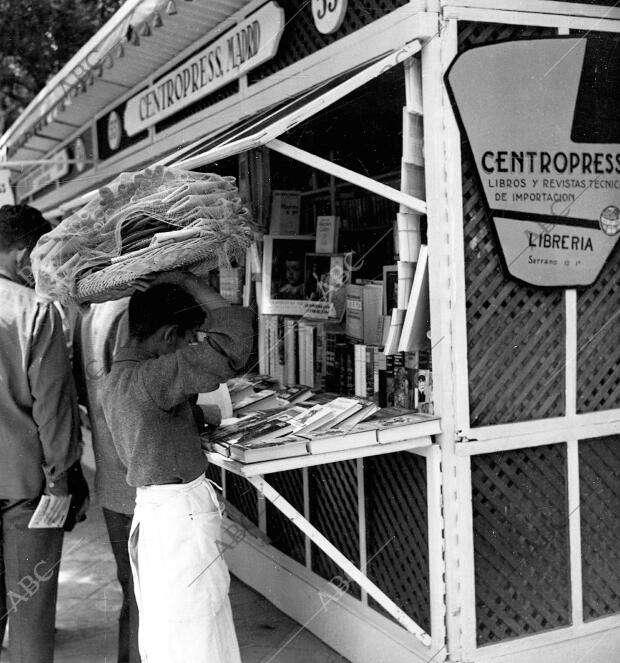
(415, 436)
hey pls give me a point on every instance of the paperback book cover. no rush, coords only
(263, 450)
(285, 207)
(327, 228)
(291, 361)
(355, 312)
(403, 427)
(338, 439)
(264, 399)
(294, 394)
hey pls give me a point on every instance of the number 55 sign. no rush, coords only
(328, 15)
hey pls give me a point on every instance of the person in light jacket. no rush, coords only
(102, 330)
(39, 441)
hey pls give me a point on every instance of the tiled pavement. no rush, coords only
(89, 599)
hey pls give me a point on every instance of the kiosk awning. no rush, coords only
(265, 127)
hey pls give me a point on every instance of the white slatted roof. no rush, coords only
(139, 39)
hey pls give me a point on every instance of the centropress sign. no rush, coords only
(542, 122)
(250, 43)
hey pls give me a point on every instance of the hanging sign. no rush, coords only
(43, 175)
(328, 15)
(79, 154)
(114, 131)
(6, 193)
(542, 122)
(250, 43)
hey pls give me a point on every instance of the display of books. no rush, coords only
(392, 429)
(367, 410)
(340, 424)
(327, 228)
(284, 213)
(255, 427)
(416, 322)
(382, 430)
(240, 389)
(264, 399)
(355, 311)
(297, 393)
(336, 439)
(257, 451)
(312, 418)
(336, 411)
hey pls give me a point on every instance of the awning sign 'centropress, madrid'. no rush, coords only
(250, 43)
(542, 120)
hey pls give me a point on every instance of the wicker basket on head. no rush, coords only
(153, 220)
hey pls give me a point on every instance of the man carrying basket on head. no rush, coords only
(180, 578)
(134, 237)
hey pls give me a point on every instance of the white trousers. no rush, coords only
(180, 578)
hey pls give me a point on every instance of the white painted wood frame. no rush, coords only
(586, 642)
(357, 575)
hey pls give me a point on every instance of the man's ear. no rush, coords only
(171, 334)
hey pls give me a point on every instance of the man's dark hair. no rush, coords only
(162, 305)
(21, 226)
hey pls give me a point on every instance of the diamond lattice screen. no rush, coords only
(521, 555)
(599, 485)
(301, 38)
(397, 532)
(333, 511)
(282, 534)
(515, 333)
(242, 495)
(598, 349)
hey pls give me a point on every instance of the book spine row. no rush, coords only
(310, 353)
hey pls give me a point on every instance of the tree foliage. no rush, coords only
(38, 37)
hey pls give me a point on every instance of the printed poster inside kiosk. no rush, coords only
(543, 122)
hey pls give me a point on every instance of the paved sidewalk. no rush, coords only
(89, 599)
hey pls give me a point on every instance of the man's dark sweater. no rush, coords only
(146, 399)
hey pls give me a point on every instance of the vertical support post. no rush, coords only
(570, 314)
(442, 160)
(574, 530)
(262, 511)
(572, 460)
(332, 190)
(306, 493)
(260, 186)
(361, 514)
(435, 549)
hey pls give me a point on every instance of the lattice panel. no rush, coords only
(282, 533)
(397, 532)
(214, 473)
(598, 350)
(599, 481)
(333, 511)
(521, 554)
(515, 333)
(301, 38)
(474, 34)
(242, 495)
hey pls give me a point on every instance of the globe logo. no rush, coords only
(609, 220)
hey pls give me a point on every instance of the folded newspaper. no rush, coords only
(51, 511)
